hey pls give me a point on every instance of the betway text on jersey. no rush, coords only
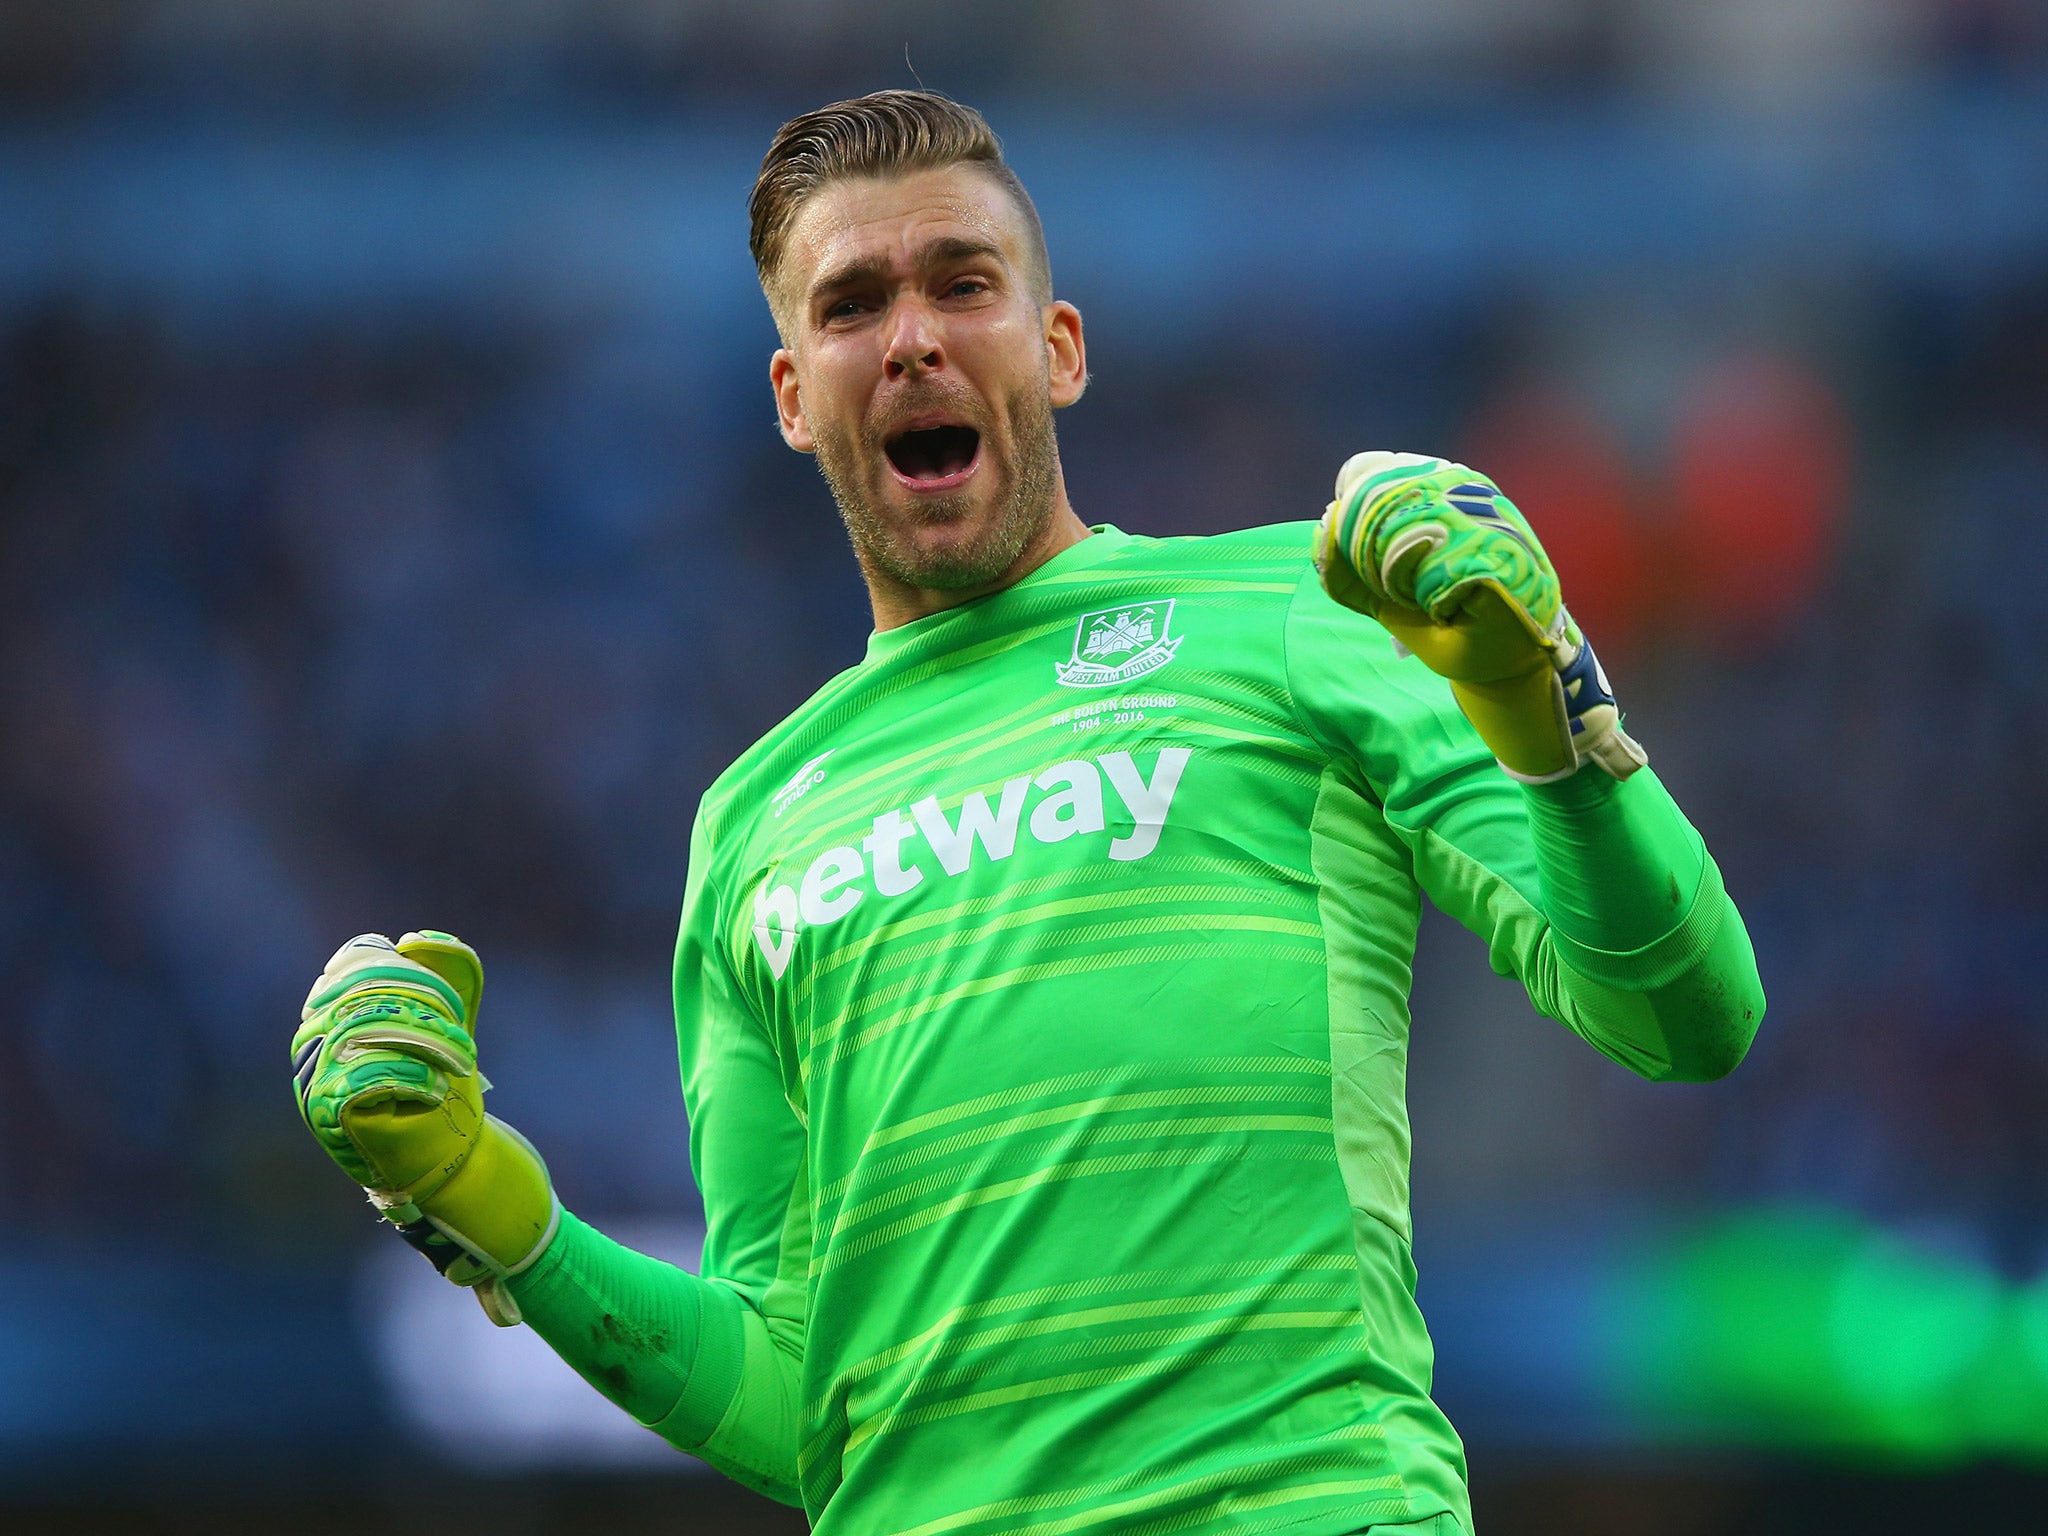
(1063, 801)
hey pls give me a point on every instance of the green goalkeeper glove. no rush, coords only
(385, 1067)
(1451, 568)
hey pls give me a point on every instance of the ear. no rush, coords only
(1066, 353)
(789, 408)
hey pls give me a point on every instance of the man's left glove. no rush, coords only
(1451, 568)
(385, 1066)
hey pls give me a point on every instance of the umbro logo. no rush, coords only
(801, 782)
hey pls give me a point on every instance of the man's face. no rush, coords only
(922, 368)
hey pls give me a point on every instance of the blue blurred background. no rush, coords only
(393, 532)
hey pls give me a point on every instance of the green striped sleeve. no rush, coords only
(630, 1325)
(1620, 869)
(686, 1357)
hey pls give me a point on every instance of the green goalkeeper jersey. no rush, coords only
(1042, 1002)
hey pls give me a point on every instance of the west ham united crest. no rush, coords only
(1118, 645)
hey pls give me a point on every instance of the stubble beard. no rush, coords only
(852, 462)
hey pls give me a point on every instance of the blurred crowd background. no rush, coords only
(393, 532)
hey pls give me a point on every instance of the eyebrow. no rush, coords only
(874, 268)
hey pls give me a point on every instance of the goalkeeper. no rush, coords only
(1042, 985)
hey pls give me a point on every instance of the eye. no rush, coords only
(965, 287)
(843, 309)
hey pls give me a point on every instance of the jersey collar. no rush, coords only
(1105, 542)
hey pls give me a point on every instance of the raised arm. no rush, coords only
(388, 1083)
(1574, 864)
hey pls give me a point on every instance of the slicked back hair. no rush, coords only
(885, 134)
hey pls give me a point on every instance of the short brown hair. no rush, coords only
(885, 134)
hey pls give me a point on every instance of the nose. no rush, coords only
(914, 345)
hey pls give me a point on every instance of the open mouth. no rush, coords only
(934, 457)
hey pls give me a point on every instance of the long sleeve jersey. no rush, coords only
(1042, 1001)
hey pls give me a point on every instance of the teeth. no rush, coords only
(935, 453)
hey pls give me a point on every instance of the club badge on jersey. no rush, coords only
(1120, 645)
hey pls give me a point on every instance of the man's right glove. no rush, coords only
(385, 1067)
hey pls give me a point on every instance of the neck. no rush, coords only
(896, 603)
